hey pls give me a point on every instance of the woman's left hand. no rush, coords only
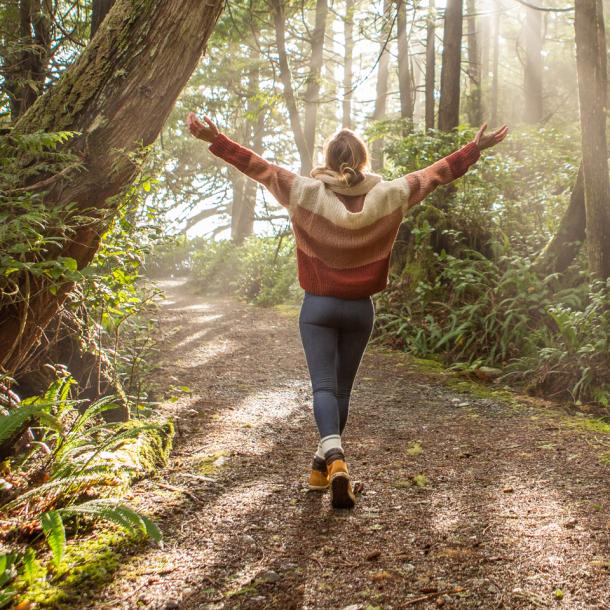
(483, 140)
(207, 133)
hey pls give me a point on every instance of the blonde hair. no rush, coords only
(347, 154)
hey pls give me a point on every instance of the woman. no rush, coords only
(345, 221)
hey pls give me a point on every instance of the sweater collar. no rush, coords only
(335, 183)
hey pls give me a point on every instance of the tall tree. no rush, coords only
(381, 94)
(533, 69)
(495, 65)
(244, 190)
(348, 54)
(430, 64)
(405, 76)
(26, 51)
(99, 10)
(304, 137)
(312, 89)
(591, 62)
(475, 104)
(118, 102)
(449, 104)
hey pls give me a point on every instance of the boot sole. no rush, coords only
(318, 487)
(340, 496)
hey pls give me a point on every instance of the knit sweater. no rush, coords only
(344, 235)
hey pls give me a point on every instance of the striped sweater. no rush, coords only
(344, 236)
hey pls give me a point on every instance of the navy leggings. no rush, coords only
(334, 333)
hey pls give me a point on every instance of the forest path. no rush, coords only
(514, 513)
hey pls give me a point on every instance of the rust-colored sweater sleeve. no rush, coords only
(422, 182)
(277, 179)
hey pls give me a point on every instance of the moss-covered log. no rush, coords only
(117, 95)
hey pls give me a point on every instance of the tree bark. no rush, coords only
(405, 79)
(26, 54)
(475, 107)
(383, 72)
(312, 90)
(566, 243)
(286, 78)
(533, 71)
(99, 10)
(494, 68)
(430, 65)
(348, 75)
(244, 189)
(449, 104)
(117, 95)
(591, 65)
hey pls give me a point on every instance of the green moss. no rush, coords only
(207, 465)
(414, 449)
(245, 590)
(88, 565)
(591, 424)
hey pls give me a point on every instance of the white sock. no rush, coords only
(319, 452)
(332, 441)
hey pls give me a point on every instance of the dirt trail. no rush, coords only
(511, 510)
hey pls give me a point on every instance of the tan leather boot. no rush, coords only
(341, 493)
(318, 477)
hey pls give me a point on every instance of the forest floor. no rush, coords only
(472, 499)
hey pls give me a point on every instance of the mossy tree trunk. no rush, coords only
(566, 243)
(26, 49)
(591, 65)
(449, 103)
(405, 74)
(430, 64)
(99, 10)
(117, 95)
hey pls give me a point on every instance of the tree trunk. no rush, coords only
(312, 90)
(591, 65)
(383, 73)
(533, 71)
(244, 189)
(430, 65)
(566, 243)
(494, 68)
(117, 95)
(26, 54)
(286, 78)
(99, 10)
(449, 104)
(405, 79)
(475, 108)
(348, 75)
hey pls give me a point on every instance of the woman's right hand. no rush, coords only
(483, 140)
(207, 133)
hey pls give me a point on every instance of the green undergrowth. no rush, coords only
(89, 564)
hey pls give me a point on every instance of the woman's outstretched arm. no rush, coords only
(275, 178)
(422, 182)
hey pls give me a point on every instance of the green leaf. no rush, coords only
(32, 570)
(16, 419)
(55, 533)
(111, 510)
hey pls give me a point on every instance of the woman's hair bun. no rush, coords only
(350, 175)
